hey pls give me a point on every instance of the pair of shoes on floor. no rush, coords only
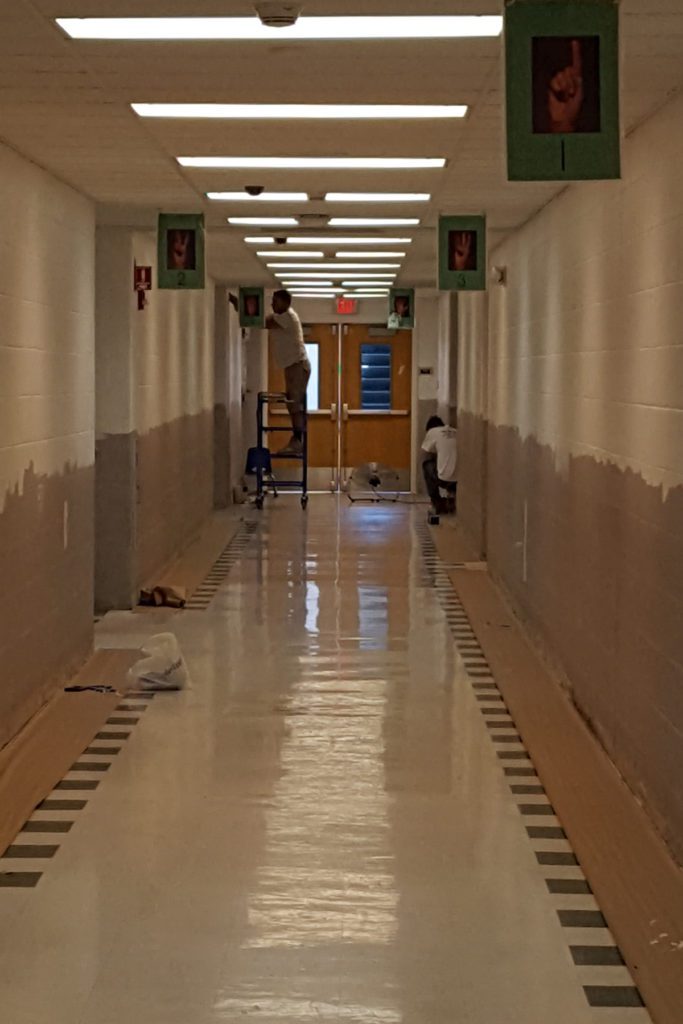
(293, 447)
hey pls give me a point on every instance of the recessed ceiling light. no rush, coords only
(335, 266)
(368, 255)
(360, 240)
(367, 222)
(288, 222)
(302, 111)
(288, 254)
(264, 197)
(316, 163)
(377, 197)
(449, 26)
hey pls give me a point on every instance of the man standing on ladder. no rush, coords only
(287, 336)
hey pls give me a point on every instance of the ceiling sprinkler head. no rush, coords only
(278, 15)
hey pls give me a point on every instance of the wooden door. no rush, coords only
(376, 399)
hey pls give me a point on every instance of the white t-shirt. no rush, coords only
(288, 339)
(443, 442)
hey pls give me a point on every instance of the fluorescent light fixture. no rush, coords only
(360, 240)
(301, 111)
(365, 284)
(314, 295)
(371, 222)
(313, 163)
(289, 275)
(305, 283)
(297, 287)
(369, 255)
(377, 197)
(336, 266)
(264, 197)
(259, 240)
(288, 254)
(440, 26)
(365, 295)
(285, 222)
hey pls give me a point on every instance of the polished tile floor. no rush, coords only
(319, 829)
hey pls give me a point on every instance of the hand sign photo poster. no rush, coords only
(566, 84)
(562, 90)
(462, 253)
(180, 251)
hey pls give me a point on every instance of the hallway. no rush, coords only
(322, 827)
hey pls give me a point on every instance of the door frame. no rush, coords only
(339, 324)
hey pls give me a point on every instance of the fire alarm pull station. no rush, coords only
(142, 282)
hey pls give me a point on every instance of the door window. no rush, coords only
(375, 377)
(313, 390)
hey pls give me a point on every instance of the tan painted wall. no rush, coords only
(47, 243)
(585, 451)
(174, 415)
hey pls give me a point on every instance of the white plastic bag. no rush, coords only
(163, 668)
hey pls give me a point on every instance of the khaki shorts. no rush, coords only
(296, 381)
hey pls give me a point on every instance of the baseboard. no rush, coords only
(43, 751)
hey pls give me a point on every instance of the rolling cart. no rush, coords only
(265, 481)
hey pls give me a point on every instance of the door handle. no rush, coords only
(345, 411)
(333, 412)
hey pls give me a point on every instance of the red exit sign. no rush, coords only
(347, 306)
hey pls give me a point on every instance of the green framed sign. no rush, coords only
(401, 308)
(562, 90)
(462, 254)
(180, 245)
(252, 307)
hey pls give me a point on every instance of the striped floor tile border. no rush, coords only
(41, 836)
(591, 944)
(217, 575)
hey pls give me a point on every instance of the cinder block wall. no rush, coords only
(174, 414)
(584, 429)
(47, 263)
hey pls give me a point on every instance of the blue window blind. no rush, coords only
(375, 377)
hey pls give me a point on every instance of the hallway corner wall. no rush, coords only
(472, 414)
(116, 436)
(228, 381)
(47, 303)
(426, 355)
(448, 356)
(174, 413)
(585, 453)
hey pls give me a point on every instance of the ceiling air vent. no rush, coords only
(276, 15)
(314, 219)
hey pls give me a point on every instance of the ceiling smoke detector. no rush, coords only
(278, 15)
